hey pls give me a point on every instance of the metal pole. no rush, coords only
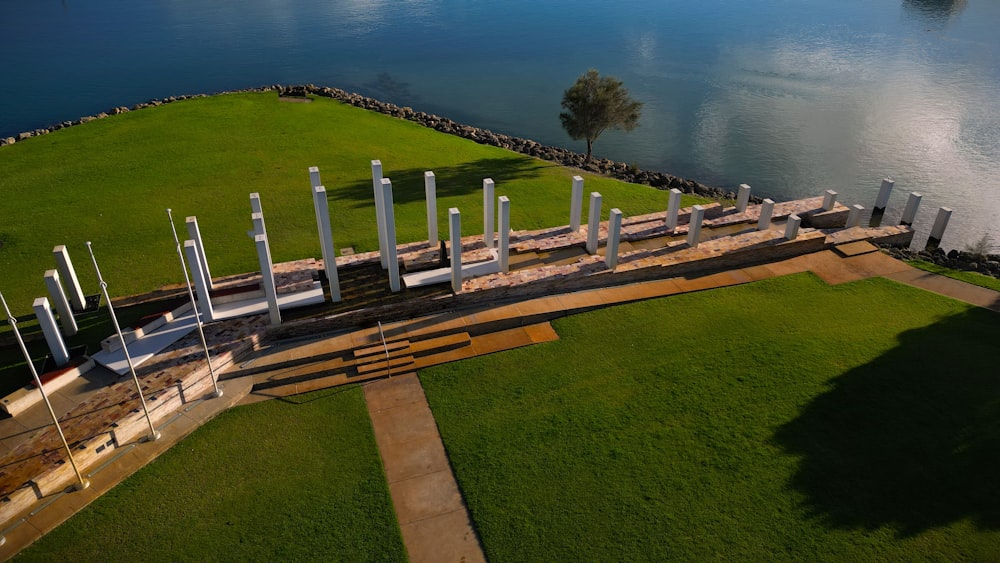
(153, 434)
(83, 483)
(388, 362)
(194, 307)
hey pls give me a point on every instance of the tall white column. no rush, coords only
(829, 200)
(379, 210)
(455, 234)
(910, 211)
(576, 204)
(940, 224)
(51, 332)
(614, 235)
(430, 195)
(504, 234)
(792, 227)
(593, 222)
(673, 207)
(884, 191)
(326, 241)
(766, 211)
(743, 198)
(314, 176)
(854, 216)
(267, 278)
(68, 273)
(204, 293)
(488, 235)
(390, 235)
(694, 225)
(66, 318)
(258, 224)
(195, 233)
(255, 206)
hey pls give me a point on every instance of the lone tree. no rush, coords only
(595, 103)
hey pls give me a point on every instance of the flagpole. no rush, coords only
(194, 307)
(83, 483)
(153, 434)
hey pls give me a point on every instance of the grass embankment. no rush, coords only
(968, 277)
(782, 420)
(289, 480)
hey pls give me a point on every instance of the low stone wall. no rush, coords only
(988, 265)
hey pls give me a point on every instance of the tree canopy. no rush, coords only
(595, 103)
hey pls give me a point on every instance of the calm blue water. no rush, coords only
(792, 97)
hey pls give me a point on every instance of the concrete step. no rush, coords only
(395, 365)
(361, 354)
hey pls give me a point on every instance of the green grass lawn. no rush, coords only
(781, 420)
(289, 480)
(968, 277)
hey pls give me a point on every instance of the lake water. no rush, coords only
(790, 96)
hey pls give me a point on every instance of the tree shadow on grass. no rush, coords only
(912, 439)
(458, 180)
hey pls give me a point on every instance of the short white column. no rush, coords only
(314, 177)
(455, 234)
(379, 210)
(576, 204)
(430, 195)
(68, 273)
(204, 293)
(940, 224)
(195, 233)
(326, 241)
(593, 222)
(884, 191)
(614, 235)
(52, 337)
(694, 225)
(66, 318)
(488, 234)
(829, 200)
(792, 227)
(267, 278)
(504, 254)
(910, 211)
(766, 211)
(854, 215)
(258, 224)
(390, 235)
(673, 208)
(743, 198)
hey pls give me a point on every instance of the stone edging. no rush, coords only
(618, 170)
(987, 265)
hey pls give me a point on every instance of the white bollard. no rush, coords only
(66, 318)
(910, 211)
(854, 216)
(379, 210)
(792, 227)
(267, 278)
(766, 211)
(455, 234)
(430, 195)
(593, 222)
(488, 234)
(884, 191)
(390, 235)
(65, 267)
(673, 207)
(204, 293)
(829, 200)
(576, 204)
(743, 198)
(60, 355)
(195, 233)
(504, 234)
(314, 176)
(614, 235)
(326, 241)
(694, 225)
(940, 224)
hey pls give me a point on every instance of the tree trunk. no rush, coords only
(590, 143)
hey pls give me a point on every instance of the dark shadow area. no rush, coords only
(910, 440)
(462, 179)
(387, 88)
(936, 11)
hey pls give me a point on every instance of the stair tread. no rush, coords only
(381, 365)
(380, 348)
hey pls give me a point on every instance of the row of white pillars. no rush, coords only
(58, 295)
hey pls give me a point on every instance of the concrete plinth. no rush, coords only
(673, 207)
(267, 278)
(488, 234)
(455, 235)
(829, 200)
(614, 235)
(884, 191)
(504, 254)
(430, 195)
(766, 211)
(60, 355)
(854, 216)
(204, 293)
(65, 267)
(379, 210)
(390, 235)
(792, 227)
(743, 198)
(326, 241)
(593, 222)
(195, 234)
(910, 211)
(58, 295)
(576, 204)
(694, 226)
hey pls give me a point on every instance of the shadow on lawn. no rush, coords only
(912, 439)
(462, 179)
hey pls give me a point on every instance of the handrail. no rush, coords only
(388, 365)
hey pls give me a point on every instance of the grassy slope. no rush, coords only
(780, 420)
(275, 481)
(968, 277)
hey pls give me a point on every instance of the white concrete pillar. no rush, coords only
(854, 216)
(940, 224)
(594, 222)
(743, 198)
(792, 227)
(258, 224)
(910, 211)
(390, 235)
(52, 337)
(455, 234)
(379, 210)
(255, 206)
(694, 225)
(204, 292)
(267, 278)
(488, 213)
(576, 204)
(614, 235)
(326, 241)
(673, 207)
(766, 211)
(504, 234)
(314, 176)
(68, 273)
(195, 233)
(829, 200)
(66, 319)
(430, 195)
(884, 191)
